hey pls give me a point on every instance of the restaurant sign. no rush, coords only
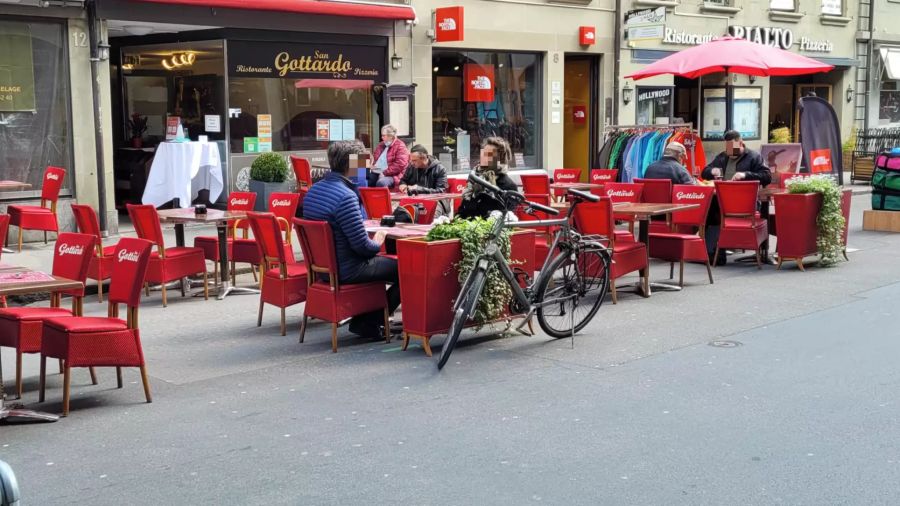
(292, 61)
(16, 68)
(782, 38)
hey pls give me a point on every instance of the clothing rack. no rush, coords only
(691, 143)
(649, 127)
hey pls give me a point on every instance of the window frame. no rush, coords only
(841, 8)
(637, 101)
(772, 6)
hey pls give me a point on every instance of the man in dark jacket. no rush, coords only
(670, 166)
(425, 175)
(336, 199)
(737, 163)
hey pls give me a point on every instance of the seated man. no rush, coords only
(336, 199)
(671, 165)
(425, 175)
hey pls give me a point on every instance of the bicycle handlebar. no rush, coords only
(590, 197)
(502, 193)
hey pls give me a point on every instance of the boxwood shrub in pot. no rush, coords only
(268, 175)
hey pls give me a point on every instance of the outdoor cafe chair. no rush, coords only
(303, 175)
(237, 201)
(565, 176)
(603, 176)
(247, 250)
(673, 246)
(376, 202)
(535, 184)
(596, 218)
(283, 281)
(100, 268)
(426, 208)
(4, 228)
(166, 264)
(328, 299)
(41, 217)
(656, 191)
(457, 185)
(741, 225)
(543, 235)
(20, 327)
(103, 342)
(624, 192)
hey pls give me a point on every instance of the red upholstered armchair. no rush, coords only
(624, 192)
(544, 235)
(535, 184)
(20, 327)
(103, 342)
(303, 175)
(565, 176)
(742, 228)
(102, 260)
(284, 206)
(426, 208)
(41, 217)
(166, 264)
(237, 201)
(675, 247)
(596, 218)
(4, 228)
(656, 191)
(376, 202)
(327, 298)
(603, 176)
(283, 281)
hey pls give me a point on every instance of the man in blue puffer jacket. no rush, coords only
(336, 199)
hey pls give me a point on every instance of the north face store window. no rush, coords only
(482, 94)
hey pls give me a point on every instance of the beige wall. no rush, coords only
(551, 30)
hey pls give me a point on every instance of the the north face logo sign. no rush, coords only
(65, 249)
(448, 24)
(481, 83)
(128, 256)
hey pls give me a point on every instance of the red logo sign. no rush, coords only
(479, 82)
(579, 114)
(587, 35)
(820, 160)
(448, 24)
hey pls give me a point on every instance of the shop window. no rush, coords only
(833, 7)
(889, 103)
(34, 103)
(654, 105)
(714, 113)
(783, 5)
(482, 94)
(737, 108)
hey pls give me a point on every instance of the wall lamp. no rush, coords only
(849, 94)
(627, 93)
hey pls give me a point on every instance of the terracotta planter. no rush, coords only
(796, 222)
(429, 282)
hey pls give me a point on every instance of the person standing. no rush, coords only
(425, 175)
(671, 165)
(391, 159)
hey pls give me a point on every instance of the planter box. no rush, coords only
(263, 190)
(796, 223)
(429, 282)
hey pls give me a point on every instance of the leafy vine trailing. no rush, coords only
(830, 220)
(473, 234)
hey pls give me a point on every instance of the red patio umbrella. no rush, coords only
(730, 54)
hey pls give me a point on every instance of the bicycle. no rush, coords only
(577, 278)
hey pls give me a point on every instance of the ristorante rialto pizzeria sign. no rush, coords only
(312, 61)
(770, 36)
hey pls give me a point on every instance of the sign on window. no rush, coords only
(832, 7)
(781, 5)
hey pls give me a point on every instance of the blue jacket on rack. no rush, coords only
(335, 199)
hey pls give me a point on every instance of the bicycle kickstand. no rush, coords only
(526, 321)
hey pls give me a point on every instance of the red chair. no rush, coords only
(457, 185)
(246, 250)
(4, 228)
(40, 217)
(596, 218)
(741, 228)
(846, 199)
(376, 202)
(330, 300)
(535, 184)
(237, 202)
(624, 192)
(103, 342)
(166, 264)
(20, 327)
(102, 260)
(283, 280)
(603, 176)
(544, 235)
(426, 208)
(565, 176)
(303, 174)
(656, 191)
(676, 247)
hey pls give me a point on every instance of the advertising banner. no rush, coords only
(820, 135)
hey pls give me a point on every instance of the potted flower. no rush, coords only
(138, 126)
(268, 173)
(810, 220)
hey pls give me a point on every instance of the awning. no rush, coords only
(324, 7)
(891, 58)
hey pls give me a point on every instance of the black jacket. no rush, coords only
(429, 180)
(750, 163)
(668, 167)
(482, 204)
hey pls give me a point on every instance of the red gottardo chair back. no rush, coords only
(376, 202)
(41, 217)
(597, 218)
(327, 298)
(20, 327)
(742, 228)
(535, 184)
(100, 268)
(656, 191)
(283, 280)
(166, 264)
(426, 207)
(603, 176)
(237, 201)
(677, 247)
(103, 342)
(303, 174)
(544, 235)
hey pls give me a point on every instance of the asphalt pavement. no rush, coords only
(767, 387)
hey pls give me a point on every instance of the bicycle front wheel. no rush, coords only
(572, 291)
(464, 311)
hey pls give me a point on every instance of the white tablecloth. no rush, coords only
(181, 169)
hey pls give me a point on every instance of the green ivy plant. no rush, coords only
(269, 168)
(473, 235)
(830, 221)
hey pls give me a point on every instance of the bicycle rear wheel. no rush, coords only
(463, 312)
(573, 291)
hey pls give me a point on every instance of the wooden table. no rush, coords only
(220, 218)
(57, 284)
(642, 212)
(12, 186)
(398, 231)
(575, 186)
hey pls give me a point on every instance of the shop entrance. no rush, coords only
(580, 112)
(785, 92)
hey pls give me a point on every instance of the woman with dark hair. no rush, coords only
(494, 160)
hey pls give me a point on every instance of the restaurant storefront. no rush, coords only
(754, 106)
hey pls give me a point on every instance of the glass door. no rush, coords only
(803, 90)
